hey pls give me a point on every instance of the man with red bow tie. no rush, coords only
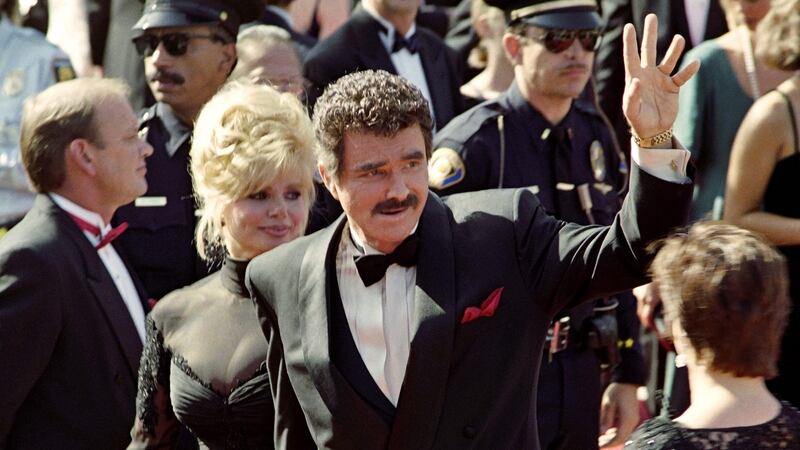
(71, 313)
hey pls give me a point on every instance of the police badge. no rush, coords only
(598, 160)
(14, 82)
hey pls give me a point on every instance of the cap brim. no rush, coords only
(567, 20)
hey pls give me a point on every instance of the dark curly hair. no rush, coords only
(728, 288)
(375, 102)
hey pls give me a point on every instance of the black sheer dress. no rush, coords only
(782, 432)
(203, 365)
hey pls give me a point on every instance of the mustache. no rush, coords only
(163, 75)
(575, 66)
(409, 202)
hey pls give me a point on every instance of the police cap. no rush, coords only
(556, 14)
(228, 14)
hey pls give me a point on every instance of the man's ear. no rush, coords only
(228, 57)
(79, 156)
(512, 47)
(328, 180)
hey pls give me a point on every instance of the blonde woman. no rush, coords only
(764, 175)
(203, 363)
(713, 104)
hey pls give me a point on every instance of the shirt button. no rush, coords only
(469, 432)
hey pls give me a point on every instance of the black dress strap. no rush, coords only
(792, 118)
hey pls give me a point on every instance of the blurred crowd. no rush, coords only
(198, 135)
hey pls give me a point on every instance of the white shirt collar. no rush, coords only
(364, 248)
(81, 212)
(387, 38)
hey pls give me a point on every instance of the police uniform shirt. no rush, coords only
(159, 242)
(470, 146)
(28, 65)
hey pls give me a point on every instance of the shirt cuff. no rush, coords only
(666, 164)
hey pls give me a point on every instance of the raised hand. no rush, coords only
(650, 100)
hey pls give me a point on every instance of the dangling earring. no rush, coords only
(680, 360)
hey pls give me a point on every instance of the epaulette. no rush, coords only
(446, 167)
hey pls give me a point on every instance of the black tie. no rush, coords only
(401, 42)
(372, 268)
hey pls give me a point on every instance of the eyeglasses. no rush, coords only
(292, 84)
(557, 41)
(175, 44)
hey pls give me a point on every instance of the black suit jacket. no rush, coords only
(467, 385)
(356, 46)
(69, 350)
(609, 71)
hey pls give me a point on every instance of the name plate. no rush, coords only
(150, 202)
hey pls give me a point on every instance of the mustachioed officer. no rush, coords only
(189, 50)
(539, 135)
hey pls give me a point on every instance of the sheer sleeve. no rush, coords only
(156, 426)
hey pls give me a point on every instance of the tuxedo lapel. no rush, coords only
(368, 44)
(435, 66)
(425, 383)
(103, 288)
(314, 295)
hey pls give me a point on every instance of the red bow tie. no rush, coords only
(113, 234)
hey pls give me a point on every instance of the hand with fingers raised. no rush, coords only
(650, 100)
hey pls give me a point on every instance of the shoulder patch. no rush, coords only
(445, 169)
(62, 70)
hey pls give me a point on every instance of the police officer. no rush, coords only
(28, 64)
(189, 50)
(539, 135)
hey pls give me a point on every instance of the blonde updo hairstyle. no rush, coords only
(244, 137)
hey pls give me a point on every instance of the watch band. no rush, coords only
(652, 141)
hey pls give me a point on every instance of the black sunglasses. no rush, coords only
(175, 44)
(557, 41)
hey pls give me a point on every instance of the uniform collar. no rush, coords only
(282, 13)
(177, 131)
(531, 119)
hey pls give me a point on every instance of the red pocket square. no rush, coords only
(151, 303)
(487, 308)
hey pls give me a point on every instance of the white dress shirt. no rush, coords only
(408, 65)
(111, 260)
(379, 316)
(697, 17)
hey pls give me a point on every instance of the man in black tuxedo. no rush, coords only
(416, 322)
(71, 313)
(674, 18)
(381, 34)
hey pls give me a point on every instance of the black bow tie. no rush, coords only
(401, 42)
(372, 268)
